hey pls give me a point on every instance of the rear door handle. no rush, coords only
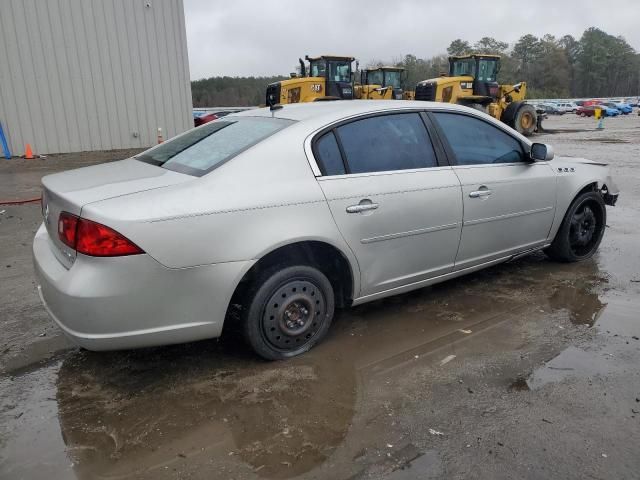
(363, 207)
(480, 193)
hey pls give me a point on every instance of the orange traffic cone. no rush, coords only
(28, 154)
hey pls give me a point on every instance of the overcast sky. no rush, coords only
(243, 37)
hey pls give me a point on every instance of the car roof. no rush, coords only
(334, 110)
(313, 116)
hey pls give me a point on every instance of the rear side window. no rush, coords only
(476, 142)
(329, 156)
(202, 149)
(386, 143)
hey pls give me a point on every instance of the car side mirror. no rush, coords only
(541, 152)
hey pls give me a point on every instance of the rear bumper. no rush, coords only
(132, 302)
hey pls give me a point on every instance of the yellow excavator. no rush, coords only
(472, 81)
(330, 77)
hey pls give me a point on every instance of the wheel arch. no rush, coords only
(321, 254)
(588, 186)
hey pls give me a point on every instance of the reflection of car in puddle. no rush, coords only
(144, 415)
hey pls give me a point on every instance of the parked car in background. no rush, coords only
(621, 107)
(567, 107)
(632, 101)
(589, 111)
(204, 118)
(588, 103)
(551, 109)
(272, 218)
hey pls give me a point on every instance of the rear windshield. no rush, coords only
(202, 149)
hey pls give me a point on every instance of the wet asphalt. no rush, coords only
(527, 370)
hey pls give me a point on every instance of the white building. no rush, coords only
(83, 75)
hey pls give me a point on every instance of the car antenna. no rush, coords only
(275, 107)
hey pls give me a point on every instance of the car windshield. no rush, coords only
(202, 149)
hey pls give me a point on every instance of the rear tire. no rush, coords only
(581, 231)
(289, 311)
(525, 120)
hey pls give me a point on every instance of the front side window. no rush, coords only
(476, 142)
(200, 150)
(386, 143)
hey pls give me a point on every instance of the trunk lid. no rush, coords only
(70, 191)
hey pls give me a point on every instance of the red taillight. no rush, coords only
(94, 239)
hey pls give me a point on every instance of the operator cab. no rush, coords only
(387, 77)
(337, 74)
(482, 68)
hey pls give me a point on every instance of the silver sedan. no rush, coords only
(271, 218)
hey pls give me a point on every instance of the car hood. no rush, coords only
(576, 160)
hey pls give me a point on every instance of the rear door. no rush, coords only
(509, 201)
(399, 210)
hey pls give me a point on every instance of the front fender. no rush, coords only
(574, 175)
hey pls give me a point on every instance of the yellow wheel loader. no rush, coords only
(382, 83)
(472, 81)
(329, 78)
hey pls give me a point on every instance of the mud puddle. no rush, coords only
(176, 411)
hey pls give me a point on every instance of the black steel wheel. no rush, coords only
(290, 311)
(582, 229)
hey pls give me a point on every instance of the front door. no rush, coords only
(397, 208)
(509, 201)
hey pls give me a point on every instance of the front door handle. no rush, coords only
(480, 193)
(362, 207)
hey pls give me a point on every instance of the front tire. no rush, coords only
(525, 120)
(582, 229)
(290, 310)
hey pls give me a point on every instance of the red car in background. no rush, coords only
(586, 110)
(205, 118)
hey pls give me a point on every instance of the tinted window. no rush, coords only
(329, 155)
(387, 142)
(475, 141)
(200, 150)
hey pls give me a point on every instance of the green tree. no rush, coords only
(489, 45)
(459, 47)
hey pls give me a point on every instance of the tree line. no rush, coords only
(595, 65)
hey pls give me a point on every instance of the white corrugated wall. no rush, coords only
(82, 75)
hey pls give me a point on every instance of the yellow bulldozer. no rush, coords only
(330, 77)
(472, 81)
